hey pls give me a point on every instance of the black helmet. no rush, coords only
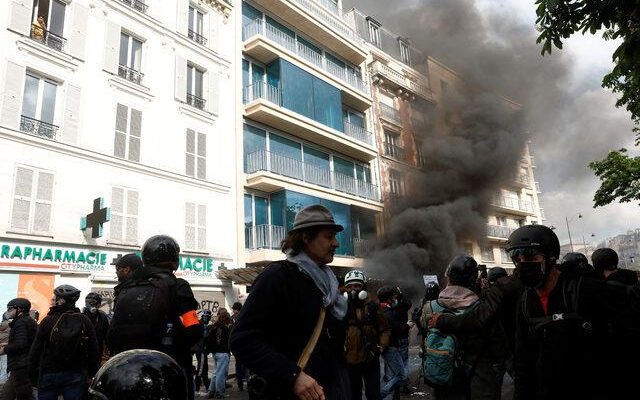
(537, 237)
(23, 304)
(385, 293)
(139, 374)
(67, 292)
(576, 262)
(604, 259)
(462, 271)
(161, 250)
(496, 273)
(94, 296)
(431, 291)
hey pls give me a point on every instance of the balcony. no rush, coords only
(47, 38)
(130, 74)
(298, 170)
(499, 231)
(538, 190)
(386, 75)
(264, 237)
(395, 152)
(522, 180)
(196, 37)
(319, 23)
(137, 5)
(264, 104)
(514, 205)
(38, 128)
(390, 114)
(196, 101)
(362, 247)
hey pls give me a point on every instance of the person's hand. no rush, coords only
(306, 388)
(1, 350)
(433, 320)
(411, 324)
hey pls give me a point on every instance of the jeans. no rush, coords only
(394, 371)
(403, 347)
(69, 385)
(3, 369)
(369, 372)
(17, 386)
(219, 377)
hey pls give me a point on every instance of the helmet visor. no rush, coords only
(524, 251)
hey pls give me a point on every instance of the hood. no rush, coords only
(457, 297)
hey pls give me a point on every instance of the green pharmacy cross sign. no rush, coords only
(95, 219)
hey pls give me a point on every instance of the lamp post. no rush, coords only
(566, 219)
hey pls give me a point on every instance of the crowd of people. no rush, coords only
(553, 329)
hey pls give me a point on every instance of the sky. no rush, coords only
(571, 118)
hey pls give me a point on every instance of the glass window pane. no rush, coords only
(327, 102)
(190, 71)
(262, 210)
(199, 23)
(356, 119)
(257, 73)
(285, 147)
(136, 54)
(191, 18)
(316, 157)
(363, 173)
(56, 23)
(124, 49)
(297, 89)
(254, 139)
(249, 14)
(342, 166)
(245, 73)
(48, 102)
(198, 88)
(248, 212)
(30, 98)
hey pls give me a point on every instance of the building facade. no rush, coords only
(118, 100)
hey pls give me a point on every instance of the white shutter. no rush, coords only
(71, 114)
(20, 16)
(132, 217)
(44, 197)
(111, 47)
(135, 131)
(117, 211)
(190, 228)
(12, 95)
(22, 198)
(202, 156)
(190, 153)
(182, 16)
(202, 227)
(181, 79)
(214, 92)
(120, 141)
(78, 39)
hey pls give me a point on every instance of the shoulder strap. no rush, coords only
(313, 340)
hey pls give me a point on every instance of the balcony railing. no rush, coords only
(137, 5)
(49, 39)
(38, 128)
(499, 231)
(394, 151)
(284, 39)
(264, 236)
(130, 74)
(389, 74)
(513, 204)
(263, 160)
(196, 37)
(390, 114)
(333, 20)
(522, 179)
(538, 190)
(362, 247)
(196, 101)
(358, 132)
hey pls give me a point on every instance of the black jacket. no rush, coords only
(275, 325)
(41, 357)
(100, 322)
(398, 315)
(21, 336)
(217, 340)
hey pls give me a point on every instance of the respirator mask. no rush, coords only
(356, 295)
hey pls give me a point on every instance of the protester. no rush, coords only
(241, 370)
(201, 353)
(217, 343)
(98, 318)
(22, 331)
(395, 367)
(367, 336)
(284, 307)
(605, 263)
(4, 339)
(126, 266)
(494, 274)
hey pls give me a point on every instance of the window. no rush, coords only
(404, 52)
(195, 79)
(258, 232)
(48, 23)
(444, 87)
(504, 257)
(196, 25)
(374, 33)
(196, 158)
(392, 145)
(195, 232)
(32, 200)
(128, 133)
(396, 185)
(420, 159)
(130, 58)
(501, 221)
(38, 106)
(124, 215)
(487, 253)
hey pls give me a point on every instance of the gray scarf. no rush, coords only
(325, 280)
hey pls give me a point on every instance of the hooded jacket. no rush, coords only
(22, 332)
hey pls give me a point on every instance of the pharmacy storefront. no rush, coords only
(32, 270)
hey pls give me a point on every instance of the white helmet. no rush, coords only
(355, 276)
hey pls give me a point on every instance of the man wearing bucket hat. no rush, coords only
(279, 325)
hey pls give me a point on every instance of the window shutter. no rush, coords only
(77, 41)
(134, 135)
(181, 79)
(44, 196)
(12, 95)
(190, 229)
(214, 92)
(111, 47)
(20, 20)
(190, 153)
(182, 16)
(117, 209)
(202, 156)
(120, 141)
(132, 217)
(71, 114)
(22, 198)
(202, 227)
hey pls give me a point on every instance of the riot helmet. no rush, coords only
(68, 293)
(496, 273)
(537, 237)
(462, 271)
(576, 263)
(139, 375)
(161, 251)
(604, 259)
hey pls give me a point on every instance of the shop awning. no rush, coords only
(241, 276)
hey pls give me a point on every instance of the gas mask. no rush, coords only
(10, 314)
(356, 295)
(531, 273)
(90, 308)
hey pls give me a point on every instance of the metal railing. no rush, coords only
(330, 5)
(499, 231)
(358, 132)
(390, 114)
(137, 5)
(262, 90)
(47, 38)
(130, 74)
(259, 27)
(522, 179)
(377, 68)
(264, 236)
(394, 151)
(196, 37)
(196, 101)
(262, 160)
(332, 20)
(513, 204)
(38, 128)
(362, 247)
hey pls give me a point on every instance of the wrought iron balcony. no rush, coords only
(499, 231)
(130, 74)
(387, 75)
(390, 114)
(196, 101)
(38, 128)
(362, 247)
(137, 5)
(331, 19)
(394, 151)
(264, 236)
(358, 132)
(522, 179)
(196, 37)
(47, 38)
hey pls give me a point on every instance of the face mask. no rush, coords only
(531, 273)
(10, 314)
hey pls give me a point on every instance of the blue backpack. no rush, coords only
(444, 365)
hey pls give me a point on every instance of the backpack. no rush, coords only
(68, 340)
(444, 365)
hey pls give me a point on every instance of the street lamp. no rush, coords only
(566, 219)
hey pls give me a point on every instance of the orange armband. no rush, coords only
(189, 318)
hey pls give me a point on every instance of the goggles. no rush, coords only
(524, 251)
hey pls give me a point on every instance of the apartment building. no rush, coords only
(117, 100)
